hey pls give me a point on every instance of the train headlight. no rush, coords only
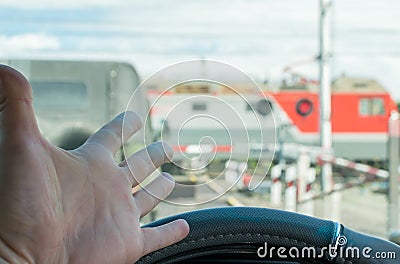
(263, 107)
(304, 107)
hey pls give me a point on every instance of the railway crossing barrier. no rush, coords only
(300, 177)
(295, 181)
(352, 165)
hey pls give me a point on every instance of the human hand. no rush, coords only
(75, 206)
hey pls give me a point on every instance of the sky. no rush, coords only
(260, 37)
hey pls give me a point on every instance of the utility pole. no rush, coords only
(393, 195)
(325, 126)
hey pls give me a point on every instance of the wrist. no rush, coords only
(21, 251)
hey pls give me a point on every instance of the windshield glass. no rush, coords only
(235, 87)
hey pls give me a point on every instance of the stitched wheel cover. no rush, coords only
(242, 230)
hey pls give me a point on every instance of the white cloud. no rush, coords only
(28, 42)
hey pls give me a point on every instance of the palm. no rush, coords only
(77, 206)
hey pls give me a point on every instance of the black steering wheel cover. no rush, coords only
(241, 230)
(376, 245)
(216, 227)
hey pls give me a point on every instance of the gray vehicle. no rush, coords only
(208, 124)
(72, 99)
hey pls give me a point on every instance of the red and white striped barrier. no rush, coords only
(353, 165)
(203, 148)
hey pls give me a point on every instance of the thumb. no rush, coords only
(17, 118)
(158, 237)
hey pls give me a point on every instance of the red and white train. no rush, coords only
(360, 113)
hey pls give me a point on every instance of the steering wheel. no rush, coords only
(261, 235)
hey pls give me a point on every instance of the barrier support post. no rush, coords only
(290, 192)
(303, 165)
(308, 207)
(276, 186)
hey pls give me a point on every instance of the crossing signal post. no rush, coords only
(325, 90)
(393, 197)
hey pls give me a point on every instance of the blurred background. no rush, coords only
(261, 37)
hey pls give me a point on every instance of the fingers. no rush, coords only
(148, 197)
(159, 237)
(115, 133)
(145, 161)
(17, 118)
